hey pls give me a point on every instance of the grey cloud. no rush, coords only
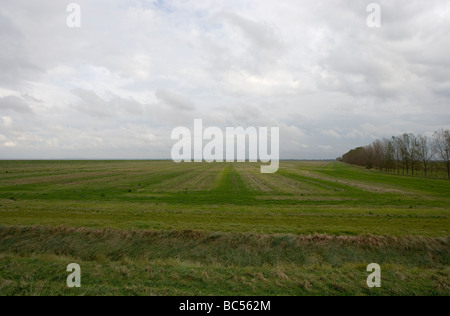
(15, 63)
(406, 53)
(246, 114)
(129, 105)
(174, 100)
(91, 104)
(262, 36)
(16, 104)
(258, 48)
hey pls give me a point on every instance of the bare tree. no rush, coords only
(424, 151)
(405, 146)
(413, 152)
(369, 156)
(405, 152)
(442, 147)
(379, 154)
(410, 151)
(398, 145)
(389, 150)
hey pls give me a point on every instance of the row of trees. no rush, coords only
(407, 154)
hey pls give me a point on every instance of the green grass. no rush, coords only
(180, 263)
(159, 228)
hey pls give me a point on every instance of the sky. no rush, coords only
(116, 87)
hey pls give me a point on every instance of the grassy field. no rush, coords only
(158, 228)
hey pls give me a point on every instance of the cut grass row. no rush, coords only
(219, 218)
(228, 184)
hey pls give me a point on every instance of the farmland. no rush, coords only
(160, 228)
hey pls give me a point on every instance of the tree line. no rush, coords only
(405, 154)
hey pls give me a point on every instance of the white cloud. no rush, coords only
(331, 133)
(325, 147)
(9, 144)
(6, 120)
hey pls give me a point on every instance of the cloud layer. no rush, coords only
(135, 70)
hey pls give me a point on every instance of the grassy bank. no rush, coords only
(127, 262)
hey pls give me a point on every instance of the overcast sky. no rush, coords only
(116, 87)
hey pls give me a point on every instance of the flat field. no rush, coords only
(160, 228)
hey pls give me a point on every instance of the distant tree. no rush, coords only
(397, 143)
(409, 152)
(442, 147)
(424, 151)
(369, 158)
(413, 152)
(378, 153)
(405, 152)
(358, 156)
(389, 151)
(405, 145)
